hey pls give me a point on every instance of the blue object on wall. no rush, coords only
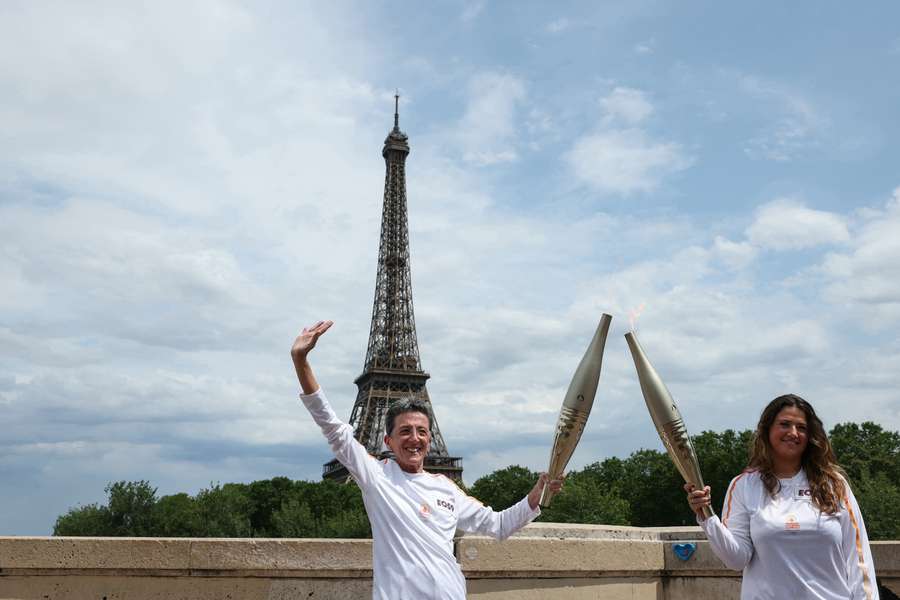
(684, 551)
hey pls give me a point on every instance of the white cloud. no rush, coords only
(866, 278)
(105, 256)
(165, 212)
(786, 224)
(796, 124)
(620, 157)
(625, 161)
(735, 255)
(627, 105)
(488, 130)
(89, 58)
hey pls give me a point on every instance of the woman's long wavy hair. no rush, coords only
(826, 478)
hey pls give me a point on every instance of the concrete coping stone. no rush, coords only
(608, 532)
(548, 548)
(184, 554)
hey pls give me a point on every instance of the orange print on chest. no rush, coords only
(791, 523)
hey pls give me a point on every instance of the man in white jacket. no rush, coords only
(414, 514)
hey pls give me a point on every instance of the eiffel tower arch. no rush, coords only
(393, 370)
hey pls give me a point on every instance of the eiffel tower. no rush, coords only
(393, 370)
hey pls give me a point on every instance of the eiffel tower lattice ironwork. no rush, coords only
(393, 370)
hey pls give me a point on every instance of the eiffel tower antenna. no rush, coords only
(397, 110)
(393, 370)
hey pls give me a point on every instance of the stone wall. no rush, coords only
(543, 561)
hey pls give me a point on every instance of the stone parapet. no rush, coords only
(543, 561)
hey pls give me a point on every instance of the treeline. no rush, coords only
(272, 508)
(642, 490)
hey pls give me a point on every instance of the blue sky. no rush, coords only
(183, 187)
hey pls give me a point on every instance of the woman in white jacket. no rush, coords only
(790, 521)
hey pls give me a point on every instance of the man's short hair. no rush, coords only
(404, 406)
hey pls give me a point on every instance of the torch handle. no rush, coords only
(546, 495)
(707, 512)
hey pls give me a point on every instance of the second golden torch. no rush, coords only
(576, 406)
(666, 418)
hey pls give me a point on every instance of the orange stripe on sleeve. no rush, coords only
(867, 585)
(730, 494)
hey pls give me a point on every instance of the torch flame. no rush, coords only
(633, 315)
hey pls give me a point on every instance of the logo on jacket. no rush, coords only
(791, 523)
(445, 504)
(424, 511)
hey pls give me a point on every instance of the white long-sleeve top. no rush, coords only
(788, 548)
(414, 517)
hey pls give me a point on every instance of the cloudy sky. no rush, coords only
(183, 186)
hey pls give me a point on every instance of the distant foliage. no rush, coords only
(503, 488)
(871, 457)
(276, 507)
(642, 490)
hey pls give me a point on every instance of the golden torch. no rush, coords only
(666, 418)
(576, 406)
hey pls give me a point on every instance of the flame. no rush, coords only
(633, 315)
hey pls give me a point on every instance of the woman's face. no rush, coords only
(788, 436)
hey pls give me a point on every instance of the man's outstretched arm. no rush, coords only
(475, 517)
(305, 342)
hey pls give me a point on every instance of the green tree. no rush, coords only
(224, 511)
(871, 457)
(503, 488)
(89, 520)
(130, 507)
(642, 490)
(879, 503)
(345, 513)
(176, 516)
(585, 498)
(653, 488)
(352, 522)
(266, 497)
(294, 520)
(867, 448)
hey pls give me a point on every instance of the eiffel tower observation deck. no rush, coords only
(393, 370)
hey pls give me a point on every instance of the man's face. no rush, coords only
(409, 441)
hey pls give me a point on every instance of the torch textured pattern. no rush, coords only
(576, 406)
(669, 424)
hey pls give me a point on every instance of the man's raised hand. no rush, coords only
(307, 339)
(305, 342)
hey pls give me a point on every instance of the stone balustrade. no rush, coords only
(544, 561)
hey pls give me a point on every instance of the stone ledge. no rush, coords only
(536, 557)
(887, 558)
(540, 550)
(94, 553)
(182, 556)
(578, 531)
(319, 555)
